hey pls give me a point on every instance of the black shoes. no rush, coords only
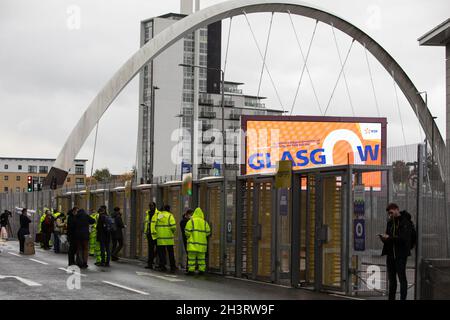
(149, 267)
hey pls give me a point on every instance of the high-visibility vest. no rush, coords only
(56, 214)
(151, 223)
(165, 227)
(197, 231)
(41, 219)
(93, 227)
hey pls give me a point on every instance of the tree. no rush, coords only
(102, 175)
(401, 172)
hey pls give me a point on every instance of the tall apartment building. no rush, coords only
(168, 93)
(14, 173)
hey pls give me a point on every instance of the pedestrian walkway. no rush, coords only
(45, 276)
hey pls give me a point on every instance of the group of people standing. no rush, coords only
(82, 234)
(159, 229)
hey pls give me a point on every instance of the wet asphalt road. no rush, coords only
(41, 277)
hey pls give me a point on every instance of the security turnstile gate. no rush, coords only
(305, 235)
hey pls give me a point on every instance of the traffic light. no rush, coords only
(186, 188)
(30, 183)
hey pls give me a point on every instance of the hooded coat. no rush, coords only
(400, 231)
(197, 232)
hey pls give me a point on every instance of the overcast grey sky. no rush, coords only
(50, 72)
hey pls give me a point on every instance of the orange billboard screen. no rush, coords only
(314, 141)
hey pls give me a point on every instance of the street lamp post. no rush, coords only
(149, 164)
(222, 105)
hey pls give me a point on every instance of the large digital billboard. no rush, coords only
(313, 141)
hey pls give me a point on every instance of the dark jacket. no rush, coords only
(48, 224)
(119, 226)
(71, 227)
(4, 220)
(182, 228)
(82, 222)
(398, 245)
(25, 224)
(102, 231)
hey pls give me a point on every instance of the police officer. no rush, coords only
(94, 245)
(197, 231)
(150, 234)
(165, 227)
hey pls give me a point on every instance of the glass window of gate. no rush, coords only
(265, 226)
(213, 217)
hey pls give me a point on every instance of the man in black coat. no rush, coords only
(71, 235)
(82, 222)
(397, 248)
(117, 234)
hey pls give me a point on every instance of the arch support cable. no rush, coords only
(305, 65)
(339, 76)
(265, 56)
(265, 64)
(372, 82)
(343, 71)
(399, 113)
(228, 45)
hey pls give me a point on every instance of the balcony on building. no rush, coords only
(206, 100)
(234, 127)
(228, 103)
(206, 113)
(235, 116)
(206, 126)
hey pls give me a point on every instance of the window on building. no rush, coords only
(32, 169)
(79, 169)
(43, 169)
(5, 189)
(19, 167)
(6, 166)
(17, 178)
(6, 178)
(79, 181)
(68, 180)
(17, 189)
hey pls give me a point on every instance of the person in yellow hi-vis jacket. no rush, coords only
(165, 227)
(197, 232)
(150, 233)
(94, 246)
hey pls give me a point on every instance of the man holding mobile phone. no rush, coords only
(397, 242)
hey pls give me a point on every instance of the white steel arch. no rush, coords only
(213, 14)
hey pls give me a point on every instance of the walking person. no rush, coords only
(398, 241)
(71, 235)
(197, 232)
(165, 228)
(82, 222)
(47, 228)
(186, 217)
(117, 235)
(5, 227)
(24, 229)
(56, 214)
(150, 233)
(104, 229)
(59, 230)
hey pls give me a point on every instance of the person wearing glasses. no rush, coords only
(398, 240)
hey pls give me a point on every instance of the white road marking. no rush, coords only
(38, 261)
(126, 288)
(346, 297)
(171, 278)
(70, 271)
(259, 282)
(15, 254)
(25, 281)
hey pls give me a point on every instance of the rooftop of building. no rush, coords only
(171, 15)
(438, 36)
(36, 159)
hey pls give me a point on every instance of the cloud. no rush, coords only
(50, 73)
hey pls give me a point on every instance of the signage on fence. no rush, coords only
(229, 231)
(284, 174)
(359, 234)
(359, 200)
(284, 204)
